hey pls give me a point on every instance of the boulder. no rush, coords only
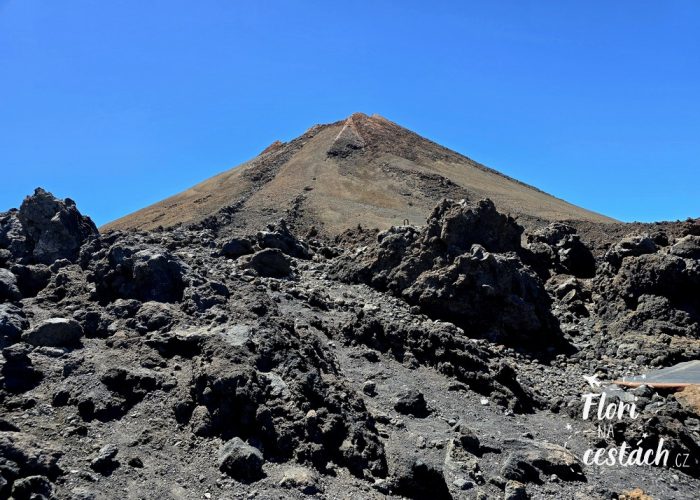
(200, 421)
(241, 461)
(419, 477)
(412, 402)
(154, 315)
(18, 372)
(467, 438)
(8, 286)
(105, 461)
(55, 332)
(235, 247)
(270, 262)
(478, 287)
(32, 488)
(205, 296)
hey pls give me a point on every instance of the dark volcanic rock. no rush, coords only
(105, 461)
(411, 402)
(133, 272)
(32, 488)
(54, 228)
(270, 262)
(12, 235)
(279, 236)
(463, 267)
(559, 248)
(8, 286)
(687, 247)
(12, 324)
(651, 292)
(420, 478)
(18, 372)
(240, 460)
(459, 225)
(55, 332)
(32, 278)
(313, 381)
(235, 247)
(530, 458)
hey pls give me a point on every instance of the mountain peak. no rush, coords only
(363, 170)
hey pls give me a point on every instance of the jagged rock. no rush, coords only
(411, 402)
(32, 488)
(687, 247)
(32, 278)
(270, 262)
(18, 372)
(132, 384)
(104, 461)
(459, 225)
(235, 247)
(478, 282)
(54, 228)
(12, 235)
(630, 246)
(144, 274)
(8, 286)
(419, 477)
(240, 460)
(279, 236)
(652, 293)
(205, 296)
(55, 332)
(463, 267)
(12, 323)
(5, 257)
(292, 366)
(559, 248)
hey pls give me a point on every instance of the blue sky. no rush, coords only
(119, 104)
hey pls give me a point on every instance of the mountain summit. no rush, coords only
(362, 170)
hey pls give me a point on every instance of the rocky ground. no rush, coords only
(440, 361)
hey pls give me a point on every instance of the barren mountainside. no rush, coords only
(362, 170)
(445, 360)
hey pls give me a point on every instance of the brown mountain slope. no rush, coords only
(362, 170)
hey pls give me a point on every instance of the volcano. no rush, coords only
(362, 170)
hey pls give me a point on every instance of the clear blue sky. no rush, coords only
(118, 104)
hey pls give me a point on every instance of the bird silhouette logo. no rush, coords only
(592, 380)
